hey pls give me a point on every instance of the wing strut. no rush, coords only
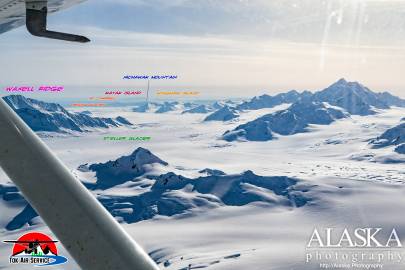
(36, 16)
(85, 228)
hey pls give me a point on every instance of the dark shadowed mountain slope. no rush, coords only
(43, 116)
(293, 120)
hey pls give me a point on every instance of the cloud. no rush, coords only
(344, 22)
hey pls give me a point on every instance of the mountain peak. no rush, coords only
(21, 102)
(225, 114)
(141, 151)
(292, 120)
(144, 156)
(351, 87)
(52, 117)
(341, 81)
(352, 96)
(124, 168)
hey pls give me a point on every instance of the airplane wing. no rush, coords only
(85, 228)
(33, 13)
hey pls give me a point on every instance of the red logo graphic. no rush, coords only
(35, 248)
(31, 242)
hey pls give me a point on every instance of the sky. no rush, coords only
(221, 48)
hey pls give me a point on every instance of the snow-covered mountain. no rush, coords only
(293, 120)
(18, 211)
(164, 107)
(43, 116)
(123, 121)
(224, 114)
(173, 194)
(123, 169)
(142, 108)
(168, 107)
(182, 107)
(392, 137)
(189, 105)
(266, 101)
(87, 112)
(400, 149)
(322, 107)
(353, 97)
(391, 100)
(169, 194)
(213, 172)
(198, 109)
(218, 105)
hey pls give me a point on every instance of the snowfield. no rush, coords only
(349, 184)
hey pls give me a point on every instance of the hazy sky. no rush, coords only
(219, 47)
